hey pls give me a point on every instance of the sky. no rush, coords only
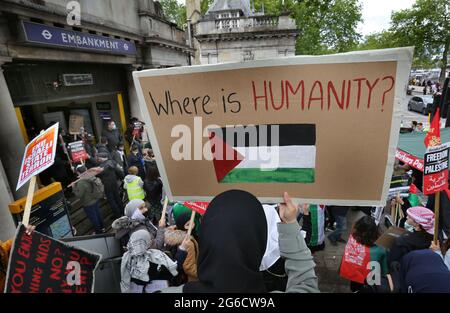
(376, 14)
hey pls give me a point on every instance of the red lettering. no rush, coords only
(359, 80)
(384, 93)
(318, 83)
(85, 261)
(22, 252)
(349, 90)
(300, 84)
(271, 96)
(255, 97)
(56, 268)
(331, 89)
(370, 90)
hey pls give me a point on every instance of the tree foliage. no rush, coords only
(427, 27)
(174, 12)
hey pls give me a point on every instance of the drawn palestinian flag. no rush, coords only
(283, 153)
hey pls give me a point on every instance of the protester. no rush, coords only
(136, 218)
(5, 250)
(135, 159)
(314, 225)
(233, 241)
(419, 128)
(174, 237)
(443, 251)
(420, 226)
(340, 215)
(414, 126)
(272, 265)
(145, 270)
(423, 271)
(102, 147)
(153, 190)
(359, 251)
(118, 155)
(179, 209)
(109, 177)
(89, 191)
(91, 151)
(134, 184)
(111, 133)
(444, 212)
(133, 134)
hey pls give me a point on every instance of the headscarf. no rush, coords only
(182, 219)
(232, 243)
(422, 216)
(132, 206)
(136, 261)
(272, 253)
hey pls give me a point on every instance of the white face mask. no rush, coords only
(409, 228)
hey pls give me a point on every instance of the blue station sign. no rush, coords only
(55, 36)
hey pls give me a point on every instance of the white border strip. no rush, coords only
(403, 57)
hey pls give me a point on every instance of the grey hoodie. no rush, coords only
(130, 178)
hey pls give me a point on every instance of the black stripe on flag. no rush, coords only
(261, 135)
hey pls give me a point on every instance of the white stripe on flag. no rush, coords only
(273, 157)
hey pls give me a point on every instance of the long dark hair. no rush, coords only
(152, 173)
(365, 231)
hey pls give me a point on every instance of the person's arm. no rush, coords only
(140, 182)
(158, 243)
(299, 264)
(190, 264)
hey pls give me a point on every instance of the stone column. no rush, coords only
(7, 227)
(11, 155)
(132, 95)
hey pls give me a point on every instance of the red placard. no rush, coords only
(409, 159)
(435, 174)
(39, 154)
(199, 207)
(77, 151)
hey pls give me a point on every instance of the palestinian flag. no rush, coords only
(413, 197)
(283, 153)
(314, 225)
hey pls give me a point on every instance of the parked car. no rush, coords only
(409, 90)
(422, 104)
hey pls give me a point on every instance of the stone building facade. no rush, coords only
(231, 31)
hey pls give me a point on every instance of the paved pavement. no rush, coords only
(328, 261)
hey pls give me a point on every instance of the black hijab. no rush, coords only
(233, 237)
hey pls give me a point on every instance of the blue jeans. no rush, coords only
(341, 227)
(93, 213)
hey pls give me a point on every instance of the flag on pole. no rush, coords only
(433, 137)
(413, 198)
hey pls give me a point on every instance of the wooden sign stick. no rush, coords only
(29, 201)
(436, 216)
(164, 210)
(191, 223)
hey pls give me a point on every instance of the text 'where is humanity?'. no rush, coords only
(266, 95)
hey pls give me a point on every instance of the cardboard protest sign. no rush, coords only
(39, 154)
(75, 124)
(41, 264)
(77, 151)
(323, 128)
(435, 174)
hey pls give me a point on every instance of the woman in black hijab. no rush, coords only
(232, 242)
